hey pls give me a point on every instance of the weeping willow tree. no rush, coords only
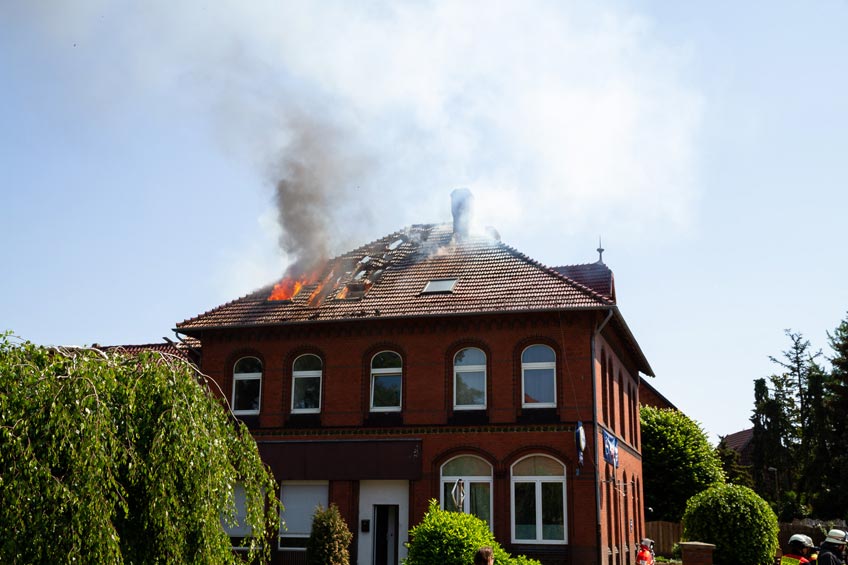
(113, 458)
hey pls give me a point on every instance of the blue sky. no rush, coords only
(141, 144)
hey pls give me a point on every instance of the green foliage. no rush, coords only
(452, 538)
(788, 428)
(330, 538)
(111, 458)
(836, 477)
(741, 525)
(677, 461)
(733, 471)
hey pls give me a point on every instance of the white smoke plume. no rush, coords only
(559, 117)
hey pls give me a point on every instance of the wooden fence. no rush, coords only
(665, 535)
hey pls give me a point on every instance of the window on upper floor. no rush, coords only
(538, 377)
(469, 379)
(306, 384)
(538, 501)
(299, 498)
(247, 386)
(386, 382)
(467, 487)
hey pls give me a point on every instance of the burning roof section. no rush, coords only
(395, 276)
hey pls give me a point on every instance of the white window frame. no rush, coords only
(470, 369)
(307, 375)
(439, 286)
(538, 481)
(392, 371)
(538, 366)
(299, 535)
(239, 377)
(468, 480)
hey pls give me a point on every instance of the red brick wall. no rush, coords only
(427, 347)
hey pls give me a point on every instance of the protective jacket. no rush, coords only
(644, 557)
(792, 559)
(830, 554)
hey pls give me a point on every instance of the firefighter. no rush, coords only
(646, 554)
(833, 548)
(798, 551)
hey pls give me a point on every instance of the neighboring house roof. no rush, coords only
(596, 276)
(184, 348)
(387, 278)
(741, 443)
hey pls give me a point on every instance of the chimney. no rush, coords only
(462, 202)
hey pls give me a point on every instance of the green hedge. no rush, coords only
(741, 525)
(452, 538)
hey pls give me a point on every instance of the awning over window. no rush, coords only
(343, 460)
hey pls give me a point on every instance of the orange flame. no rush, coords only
(287, 288)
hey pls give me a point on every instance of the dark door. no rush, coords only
(385, 534)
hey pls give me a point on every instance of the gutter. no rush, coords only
(595, 428)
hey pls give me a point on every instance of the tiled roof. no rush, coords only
(385, 278)
(180, 349)
(596, 276)
(739, 440)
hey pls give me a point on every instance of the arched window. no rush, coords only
(467, 487)
(538, 377)
(386, 382)
(306, 384)
(538, 501)
(247, 386)
(469, 379)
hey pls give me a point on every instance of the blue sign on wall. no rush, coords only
(610, 448)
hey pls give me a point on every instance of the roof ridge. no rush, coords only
(557, 274)
(596, 263)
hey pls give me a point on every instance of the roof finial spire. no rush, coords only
(600, 251)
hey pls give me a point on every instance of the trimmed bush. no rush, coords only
(678, 462)
(330, 538)
(742, 525)
(452, 538)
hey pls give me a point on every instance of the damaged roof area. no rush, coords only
(389, 277)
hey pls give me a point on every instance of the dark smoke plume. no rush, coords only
(316, 177)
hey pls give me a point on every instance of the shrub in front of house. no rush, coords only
(741, 525)
(452, 538)
(330, 539)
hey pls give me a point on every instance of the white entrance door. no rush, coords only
(385, 507)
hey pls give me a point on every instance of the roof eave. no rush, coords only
(198, 330)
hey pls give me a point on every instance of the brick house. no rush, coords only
(438, 364)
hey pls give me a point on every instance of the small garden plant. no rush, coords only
(452, 538)
(330, 539)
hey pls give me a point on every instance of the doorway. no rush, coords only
(384, 522)
(385, 534)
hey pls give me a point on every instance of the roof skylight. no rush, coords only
(439, 285)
